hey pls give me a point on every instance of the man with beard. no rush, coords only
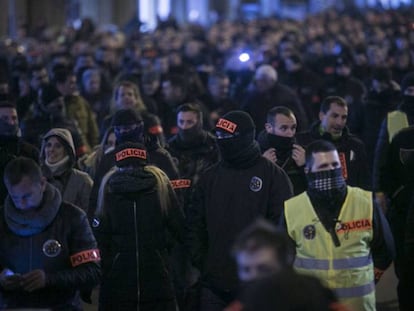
(278, 144)
(332, 127)
(341, 236)
(394, 122)
(194, 150)
(229, 196)
(11, 144)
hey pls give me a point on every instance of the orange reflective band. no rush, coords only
(90, 255)
(174, 130)
(355, 225)
(156, 129)
(226, 125)
(131, 153)
(342, 158)
(181, 183)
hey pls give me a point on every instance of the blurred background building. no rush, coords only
(18, 15)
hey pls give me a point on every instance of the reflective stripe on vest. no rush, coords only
(396, 121)
(337, 264)
(357, 291)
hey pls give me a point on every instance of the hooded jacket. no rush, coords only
(74, 185)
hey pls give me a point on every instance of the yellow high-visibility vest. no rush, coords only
(348, 269)
(396, 121)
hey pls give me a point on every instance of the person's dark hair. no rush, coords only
(192, 108)
(61, 73)
(271, 114)
(328, 101)
(262, 234)
(20, 167)
(315, 147)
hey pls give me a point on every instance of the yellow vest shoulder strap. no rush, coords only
(396, 121)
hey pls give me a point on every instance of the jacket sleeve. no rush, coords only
(196, 239)
(85, 271)
(380, 159)
(175, 217)
(281, 190)
(382, 244)
(85, 192)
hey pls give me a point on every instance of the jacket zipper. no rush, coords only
(137, 254)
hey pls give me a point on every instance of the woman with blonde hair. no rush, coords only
(136, 217)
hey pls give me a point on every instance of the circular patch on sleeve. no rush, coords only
(52, 248)
(256, 184)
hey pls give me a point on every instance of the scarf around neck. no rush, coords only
(30, 222)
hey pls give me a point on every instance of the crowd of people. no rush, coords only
(173, 173)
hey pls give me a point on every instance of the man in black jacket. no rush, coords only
(268, 92)
(229, 196)
(399, 188)
(47, 250)
(332, 127)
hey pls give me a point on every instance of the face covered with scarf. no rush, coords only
(325, 177)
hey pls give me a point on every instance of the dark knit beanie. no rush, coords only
(126, 117)
(49, 94)
(236, 122)
(130, 154)
(407, 81)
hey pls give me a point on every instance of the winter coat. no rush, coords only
(192, 160)
(133, 235)
(65, 249)
(367, 118)
(74, 185)
(226, 201)
(77, 108)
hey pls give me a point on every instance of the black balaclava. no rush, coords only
(407, 104)
(127, 117)
(239, 150)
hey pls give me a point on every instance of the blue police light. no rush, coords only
(244, 57)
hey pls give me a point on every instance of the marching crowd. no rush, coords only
(245, 166)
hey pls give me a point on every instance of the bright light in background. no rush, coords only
(244, 57)
(194, 15)
(164, 8)
(147, 14)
